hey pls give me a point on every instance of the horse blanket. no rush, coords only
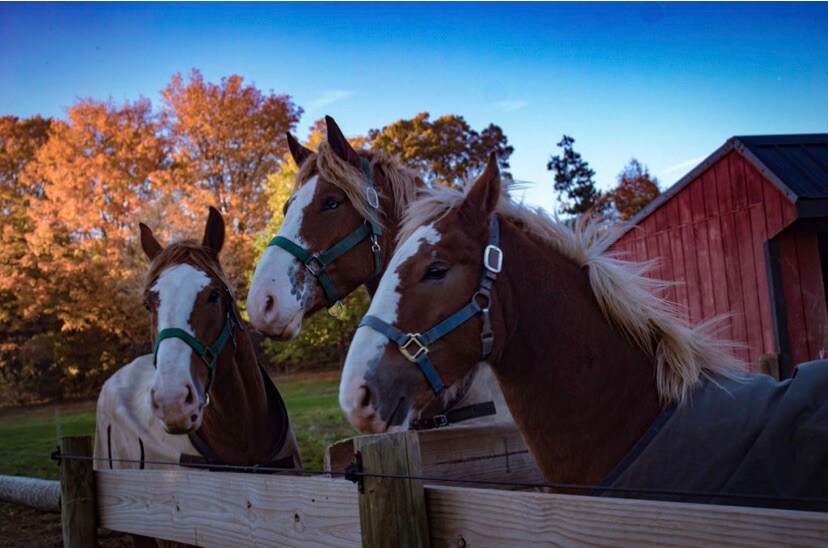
(750, 435)
(128, 430)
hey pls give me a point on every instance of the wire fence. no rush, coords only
(354, 475)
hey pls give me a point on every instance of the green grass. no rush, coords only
(311, 402)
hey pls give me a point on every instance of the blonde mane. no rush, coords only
(629, 299)
(405, 183)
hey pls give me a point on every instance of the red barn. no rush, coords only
(745, 233)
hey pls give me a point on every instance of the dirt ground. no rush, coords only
(28, 528)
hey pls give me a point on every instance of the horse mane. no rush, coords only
(186, 252)
(404, 182)
(628, 298)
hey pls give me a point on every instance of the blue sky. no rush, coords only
(666, 83)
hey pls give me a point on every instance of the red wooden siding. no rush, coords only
(709, 237)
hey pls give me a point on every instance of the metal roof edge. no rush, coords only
(744, 150)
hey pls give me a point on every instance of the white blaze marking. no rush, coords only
(272, 275)
(177, 289)
(367, 344)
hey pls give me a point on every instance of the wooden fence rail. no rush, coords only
(221, 509)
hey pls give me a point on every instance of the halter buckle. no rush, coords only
(375, 246)
(439, 421)
(493, 258)
(421, 348)
(315, 266)
(372, 197)
(336, 310)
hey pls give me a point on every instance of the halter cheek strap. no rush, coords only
(414, 346)
(317, 264)
(209, 354)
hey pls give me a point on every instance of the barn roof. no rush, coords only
(796, 164)
(800, 161)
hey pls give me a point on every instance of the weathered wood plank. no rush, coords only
(497, 518)
(487, 452)
(35, 493)
(392, 511)
(229, 509)
(77, 493)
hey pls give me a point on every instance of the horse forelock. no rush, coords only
(188, 252)
(629, 299)
(325, 163)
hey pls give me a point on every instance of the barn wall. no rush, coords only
(804, 292)
(709, 237)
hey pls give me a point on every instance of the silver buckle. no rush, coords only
(372, 197)
(336, 310)
(440, 421)
(315, 270)
(493, 258)
(375, 247)
(421, 348)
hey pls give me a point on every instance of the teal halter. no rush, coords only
(209, 354)
(317, 264)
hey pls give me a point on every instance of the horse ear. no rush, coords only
(481, 201)
(149, 244)
(214, 231)
(340, 145)
(299, 153)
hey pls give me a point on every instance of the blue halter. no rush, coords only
(414, 346)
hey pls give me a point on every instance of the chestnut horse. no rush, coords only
(202, 396)
(607, 385)
(339, 231)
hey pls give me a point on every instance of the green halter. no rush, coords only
(209, 354)
(317, 264)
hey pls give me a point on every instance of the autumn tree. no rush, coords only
(574, 181)
(446, 150)
(20, 139)
(226, 139)
(636, 188)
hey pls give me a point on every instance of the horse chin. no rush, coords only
(181, 430)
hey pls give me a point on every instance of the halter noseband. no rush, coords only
(317, 264)
(414, 346)
(208, 354)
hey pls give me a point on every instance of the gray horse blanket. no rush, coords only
(750, 436)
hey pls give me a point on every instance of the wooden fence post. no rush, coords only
(392, 511)
(78, 507)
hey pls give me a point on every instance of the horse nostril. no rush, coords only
(152, 399)
(189, 398)
(365, 400)
(268, 303)
(193, 418)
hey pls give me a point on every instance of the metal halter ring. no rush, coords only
(421, 348)
(336, 310)
(372, 197)
(375, 246)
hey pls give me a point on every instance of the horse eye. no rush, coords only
(435, 273)
(147, 306)
(213, 297)
(329, 204)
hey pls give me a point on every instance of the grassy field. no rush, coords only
(311, 402)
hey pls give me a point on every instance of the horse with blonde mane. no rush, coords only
(340, 226)
(201, 398)
(610, 388)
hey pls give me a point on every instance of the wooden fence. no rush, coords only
(219, 509)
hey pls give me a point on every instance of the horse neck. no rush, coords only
(579, 391)
(393, 220)
(235, 424)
